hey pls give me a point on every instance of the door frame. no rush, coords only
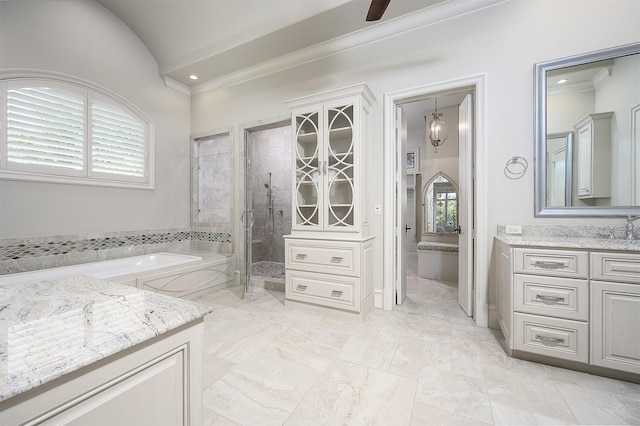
(481, 256)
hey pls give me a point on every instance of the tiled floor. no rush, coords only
(424, 363)
(268, 269)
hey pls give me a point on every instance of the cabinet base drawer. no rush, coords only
(557, 297)
(619, 267)
(323, 256)
(323, 289)
(558, 338)
(557, 263)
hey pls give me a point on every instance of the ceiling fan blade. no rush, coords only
(377, 8)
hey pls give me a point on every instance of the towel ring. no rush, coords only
(516, 167)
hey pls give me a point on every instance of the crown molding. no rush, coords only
(176, 86)
(384, 30)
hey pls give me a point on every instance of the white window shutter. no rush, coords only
(59, 129)
(45, 128)
(118, 144)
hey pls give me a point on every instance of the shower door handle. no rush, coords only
(243, 219)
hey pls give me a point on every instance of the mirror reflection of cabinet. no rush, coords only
(594, 155)
(440, 205)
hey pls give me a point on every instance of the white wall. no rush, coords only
(83, 39)
(502, 42)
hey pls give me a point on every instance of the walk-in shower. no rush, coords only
(268, 203)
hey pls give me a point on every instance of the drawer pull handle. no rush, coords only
(549, 300)
(336, 293)
(301, 287)
(549, 341)
(301, 256)
(336, 259)
(549, 265)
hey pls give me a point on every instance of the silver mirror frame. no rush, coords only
(540, 136)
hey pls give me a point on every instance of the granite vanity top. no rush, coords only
(51, 328)
(570, 242)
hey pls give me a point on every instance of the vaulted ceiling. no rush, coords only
(215, 39)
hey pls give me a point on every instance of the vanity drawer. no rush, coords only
(558, 338)
(557, 297)
(337, 257)
(558, 263)
(618, 267)
(323, 289)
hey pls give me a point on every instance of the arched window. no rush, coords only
(64, 130)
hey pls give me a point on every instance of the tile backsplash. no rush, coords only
(33, 253)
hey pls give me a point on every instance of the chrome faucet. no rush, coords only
(630, 220)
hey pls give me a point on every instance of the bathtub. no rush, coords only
(106, 269)
(178, 275)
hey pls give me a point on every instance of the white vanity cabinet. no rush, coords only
(330, 273)
(572, 305)
(551, 306)
(158, 382)
(615, 311)
(329, 253)
(594, 155)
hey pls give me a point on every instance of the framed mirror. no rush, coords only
(440, 208)
(587, 134)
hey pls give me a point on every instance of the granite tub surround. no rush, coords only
(570, 236)
(52, 328)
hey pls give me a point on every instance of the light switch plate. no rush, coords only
(377, 210)
(513, 229)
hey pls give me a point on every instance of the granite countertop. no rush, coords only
(570, 242)
(51, 328)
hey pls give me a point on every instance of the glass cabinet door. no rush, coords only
(340, 167)
(308, 178)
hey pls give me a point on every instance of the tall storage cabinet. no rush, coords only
(594, 155)
(329, 253)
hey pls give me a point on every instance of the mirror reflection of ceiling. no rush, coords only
(579, 77)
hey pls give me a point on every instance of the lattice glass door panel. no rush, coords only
(340, 170)
(308, 178)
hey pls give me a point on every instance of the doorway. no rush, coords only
(477, 288)
(267, 203)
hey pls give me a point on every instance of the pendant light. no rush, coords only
(437, 129)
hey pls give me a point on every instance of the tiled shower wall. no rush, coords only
(271, 152)
(212, 171)
(33, 253)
